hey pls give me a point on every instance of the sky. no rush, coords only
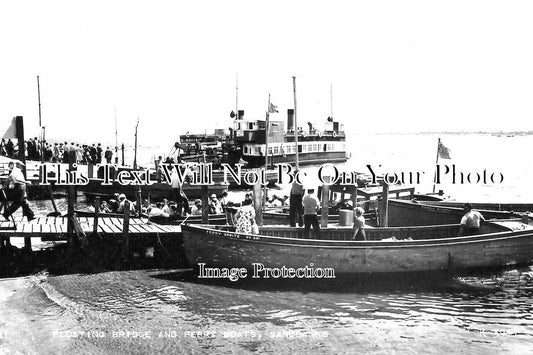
(378, 66)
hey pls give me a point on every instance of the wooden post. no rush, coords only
(258, 199)
(205, 204)
(139, 200)
(71, 194)
(19, 132)
(96, 213)
(19, 129)
(125, 232)
(354, 196)
(122, 154)
(325, 206)
(385, 205)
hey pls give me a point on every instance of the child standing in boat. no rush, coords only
(359, 225)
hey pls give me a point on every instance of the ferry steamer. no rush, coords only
(314, 146)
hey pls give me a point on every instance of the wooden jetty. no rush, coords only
(55, 228)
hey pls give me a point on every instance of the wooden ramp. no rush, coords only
(55, 228)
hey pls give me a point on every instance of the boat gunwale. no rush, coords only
(357, 244)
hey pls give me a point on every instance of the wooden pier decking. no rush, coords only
(55, 228)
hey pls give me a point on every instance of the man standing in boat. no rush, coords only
(471, 221)
(311, 205)
(295, 204)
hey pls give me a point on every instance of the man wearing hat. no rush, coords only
(18, 182)
(471, 221)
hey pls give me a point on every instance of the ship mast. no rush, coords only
(135, 152)
(116, 137)
(295, 123)
(331, 100)
(41, 145)
(266, 133)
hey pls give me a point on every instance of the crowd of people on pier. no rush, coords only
(59, 152)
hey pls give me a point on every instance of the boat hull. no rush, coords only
(303, 159)
(225, 249)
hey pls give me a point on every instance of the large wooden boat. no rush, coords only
(387, 250)
(407, 213)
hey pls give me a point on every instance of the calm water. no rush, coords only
(488, 313)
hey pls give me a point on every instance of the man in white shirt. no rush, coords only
(311, 205)
(18, 182)
(471, 221)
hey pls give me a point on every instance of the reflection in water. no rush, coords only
(478, 313)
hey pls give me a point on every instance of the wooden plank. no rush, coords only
(20, 227)
(46, 228)
(107, 229)
(134, 228)
(143, 228)
(5, 224)
(114, 229)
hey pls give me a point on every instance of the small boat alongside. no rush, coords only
(408, 213)
(386, 250)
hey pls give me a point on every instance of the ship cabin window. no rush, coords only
(258, 150)
(276, 150)
(304, 148)
(325, 147)
(269, 150)
(238, 126)
(300, 148)
(250, 125)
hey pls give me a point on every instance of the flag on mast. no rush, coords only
(272, 108)
(443, 151)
